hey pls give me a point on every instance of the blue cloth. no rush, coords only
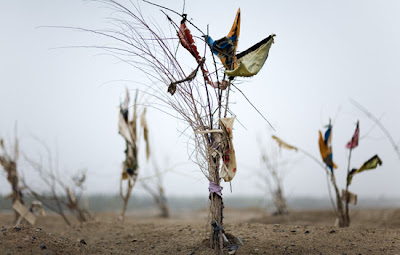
(327, 133)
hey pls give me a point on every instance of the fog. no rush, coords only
(325, 53)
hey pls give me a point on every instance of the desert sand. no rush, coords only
(373, 231)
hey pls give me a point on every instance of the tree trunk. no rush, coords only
(125, 197)
(216, 208)
(340, 211)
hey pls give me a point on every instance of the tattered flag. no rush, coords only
(143, 123)
(252, 60)
(325, 148)
(225, 48)
(283, 144)
(186, 39)
(370, 164)
(228, 169)
(354, 140)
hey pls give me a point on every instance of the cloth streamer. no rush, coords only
(370, 164)
(228, 169)
(143, 123)
(354, 140)
(250, 61)
(325, 148)
(186, 39)
(283, 144)
(225, 48)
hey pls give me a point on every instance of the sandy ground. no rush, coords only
(306, 232)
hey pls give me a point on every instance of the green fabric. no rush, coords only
(372, 163)
(253, 60)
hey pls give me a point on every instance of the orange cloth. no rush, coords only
(326, 151)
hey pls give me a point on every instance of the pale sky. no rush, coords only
(325, 52)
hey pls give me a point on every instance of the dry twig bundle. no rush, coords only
(60, 192)
(128, 130)
(201, 101)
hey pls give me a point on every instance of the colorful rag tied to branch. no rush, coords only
(246, 63)
(283, 144)
(225, 48)
(370, 164)
(228, 169)
(250, 61)
(325, 148)
(186, 39)
(354, 140)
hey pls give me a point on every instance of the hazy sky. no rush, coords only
(325, 52)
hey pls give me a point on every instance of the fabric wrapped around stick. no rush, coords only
(352, 197)
(250, 61)
(370, 164)
(228, 169)
(325, 148)
(225, 48)
(354, 140)
(283, 144)
(215, 188)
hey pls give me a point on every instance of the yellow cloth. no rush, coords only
(252, 60)
(143, 123)
(235, 32)
(228, 169)
(283, 144)
(372, 163)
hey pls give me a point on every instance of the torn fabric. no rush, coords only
(283, 144)
(354, 140)
(351, 196)
(190, 77)
(124, 129)
(228, 169)
(325, 148)
(143, 123)
(37, 208)
(186, 39)
(370, 164)
(124, 106)
(127, 129)
(222, 84)
(225, 48)
(250, 61)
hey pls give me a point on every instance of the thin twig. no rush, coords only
(377, 121)
(254, 107)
